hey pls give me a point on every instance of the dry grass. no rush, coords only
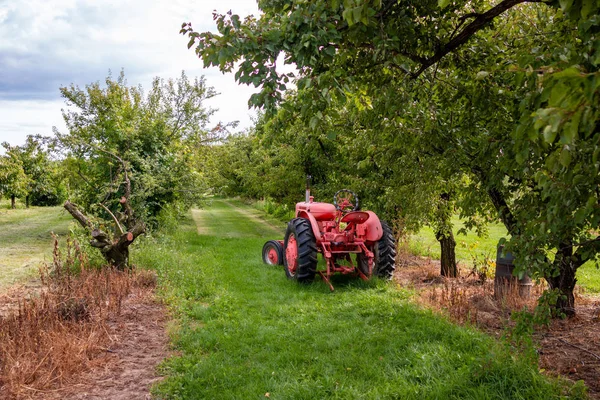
(466, 299)
(49, 336)
(469, 301)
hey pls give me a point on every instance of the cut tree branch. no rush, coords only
(78, 215)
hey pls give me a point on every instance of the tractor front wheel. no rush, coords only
(272, 253)
(300, 248)
(385, 255)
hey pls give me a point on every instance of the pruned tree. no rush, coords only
(114, 247)
(131, 156)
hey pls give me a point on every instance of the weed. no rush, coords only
(483, 267)
(49, 336)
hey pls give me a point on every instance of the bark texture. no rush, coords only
(448, 254)
(567, 263)
(445, 237)
(115, 250)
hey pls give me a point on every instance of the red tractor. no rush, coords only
(337, 231)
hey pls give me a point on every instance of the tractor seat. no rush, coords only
(357, 217)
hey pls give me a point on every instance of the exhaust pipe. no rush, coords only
(307, 196)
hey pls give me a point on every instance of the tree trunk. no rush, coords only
(27, 201)
(445, 236)
(115, 251)
(565, 281)
(448, 254)
(12, 202)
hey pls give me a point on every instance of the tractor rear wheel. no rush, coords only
(300, 251)
(272, 253)
(385, 255)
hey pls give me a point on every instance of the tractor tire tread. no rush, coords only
(307, 250)
(386, 262)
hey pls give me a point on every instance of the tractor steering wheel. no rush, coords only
(343, 199)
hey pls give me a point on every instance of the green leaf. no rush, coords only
(558, 94)
(443, 3)
(549, 134)
(596, 155)
(570, 72)
(587, 6)
(314, 121)
(482, 75)
(565, 5)
(347, 16)
(565, 157)
(235, 21)
(331, 135)
(356, 13)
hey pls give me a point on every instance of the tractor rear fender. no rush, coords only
(313, 223)
(374, 228)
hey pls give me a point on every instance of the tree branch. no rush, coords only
(386, 8)
(114, 218)
(78, 215)
(480, 22)
(584, 248)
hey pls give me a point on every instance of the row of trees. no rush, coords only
(29, 172)
(428, 107)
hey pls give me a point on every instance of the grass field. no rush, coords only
(243, 331)
(470, 246)
(25, 239)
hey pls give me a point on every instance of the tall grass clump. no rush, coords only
(56, 332)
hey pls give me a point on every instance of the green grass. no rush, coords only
(470, 246)
(243, 330)
(467, 246)
(25, 239)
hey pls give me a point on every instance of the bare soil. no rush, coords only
(569, 348)
(127, 369)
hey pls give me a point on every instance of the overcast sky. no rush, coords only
(46, 44)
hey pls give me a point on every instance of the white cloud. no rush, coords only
(28, 117)
(47, 44)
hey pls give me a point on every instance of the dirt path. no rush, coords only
(198, 216)
(128, 368)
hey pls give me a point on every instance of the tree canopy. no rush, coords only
(499, 100)
(154, 136)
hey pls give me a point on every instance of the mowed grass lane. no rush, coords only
(243, 331)
(26, 241)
